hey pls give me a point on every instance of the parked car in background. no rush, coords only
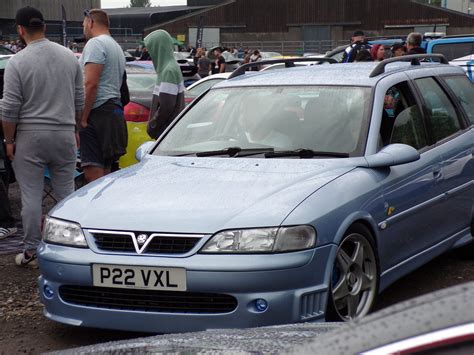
(244, 214)
(270, 55)
(6, 51)
(459, 50)
(199, 87)
(3, 62)
(141, 79)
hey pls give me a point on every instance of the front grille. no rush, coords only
(114, 242)
(147, 300)
(158, 245)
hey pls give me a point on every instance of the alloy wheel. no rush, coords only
(354, 278)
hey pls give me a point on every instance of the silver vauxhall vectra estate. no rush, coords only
(285, 196)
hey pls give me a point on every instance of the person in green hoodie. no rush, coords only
(168, 95)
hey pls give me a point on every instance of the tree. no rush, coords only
(140, 3)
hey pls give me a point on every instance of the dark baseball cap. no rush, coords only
(29, 17)
(396, 46)
(358, 33)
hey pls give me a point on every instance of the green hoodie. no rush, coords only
(160, 46)
(168, 95)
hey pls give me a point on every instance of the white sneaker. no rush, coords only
(22, 259)
(6, 232)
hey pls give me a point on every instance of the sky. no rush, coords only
(123, 3)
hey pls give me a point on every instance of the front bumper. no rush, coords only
(294, 285)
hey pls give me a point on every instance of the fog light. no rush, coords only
(261, 305)
(48, 291)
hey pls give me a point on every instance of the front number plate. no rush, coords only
(150, 278)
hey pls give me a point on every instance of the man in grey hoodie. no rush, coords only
(42, 103)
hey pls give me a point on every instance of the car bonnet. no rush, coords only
(199, 195)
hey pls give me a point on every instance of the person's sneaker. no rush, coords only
(6, 232)
(23, 259)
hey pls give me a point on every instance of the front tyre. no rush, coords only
(354, 280)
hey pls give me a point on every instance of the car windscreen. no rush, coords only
(322, 119)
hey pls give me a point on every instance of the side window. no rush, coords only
(454, 50)
(402, 120)
(464, 91)
(442, 114)
(408, 128)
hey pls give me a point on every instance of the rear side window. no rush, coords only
(442, 114)
(454, 50)
(464, 91)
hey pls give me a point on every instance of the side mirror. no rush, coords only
(393, 154)
(143, 150)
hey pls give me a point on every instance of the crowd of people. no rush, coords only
(14, 46)
(48, 119)
(361, 51)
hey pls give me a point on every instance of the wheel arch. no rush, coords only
(363, 218)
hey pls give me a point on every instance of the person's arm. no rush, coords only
(92, 72)
(9, 130)
(11, 105)
(222, 66)
(160, 119)
(79, 97)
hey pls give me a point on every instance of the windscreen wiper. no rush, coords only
(304, 154)
(235, 152)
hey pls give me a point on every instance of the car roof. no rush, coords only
(450, 40)
(350, 74)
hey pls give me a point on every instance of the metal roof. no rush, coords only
(126, 11)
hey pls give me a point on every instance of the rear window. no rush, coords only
(454, 50)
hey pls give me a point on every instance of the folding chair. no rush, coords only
(78, 181)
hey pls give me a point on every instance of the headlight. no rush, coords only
(63, 232)
(264, 240)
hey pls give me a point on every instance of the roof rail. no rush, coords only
(289, 63)
(414, 58)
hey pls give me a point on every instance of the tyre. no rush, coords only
(355, 276)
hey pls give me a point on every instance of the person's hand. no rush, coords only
(10, 151)
(84, 123)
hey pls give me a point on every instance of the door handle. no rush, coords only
(437, 174)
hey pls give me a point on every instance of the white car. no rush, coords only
(203, 85)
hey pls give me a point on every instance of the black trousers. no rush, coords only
(6, 217)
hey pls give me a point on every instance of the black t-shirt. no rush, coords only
(217, 64)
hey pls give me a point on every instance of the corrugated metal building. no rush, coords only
(51, 10)
(235, 21)
(138, 18)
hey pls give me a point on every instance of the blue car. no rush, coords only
(459, 50)
(285, 196)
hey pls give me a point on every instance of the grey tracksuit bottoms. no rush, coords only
(34, 152)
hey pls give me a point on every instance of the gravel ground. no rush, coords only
(23, 328)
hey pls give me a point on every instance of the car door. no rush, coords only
(412, 215)
(453, 140)
(457, 151)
